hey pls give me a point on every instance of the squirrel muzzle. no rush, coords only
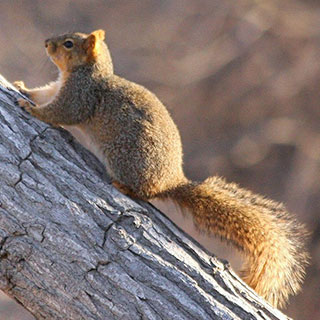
(50, 47)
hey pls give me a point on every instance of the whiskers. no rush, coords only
(46, 70)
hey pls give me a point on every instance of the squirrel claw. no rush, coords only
(21, 87)
(26, 105)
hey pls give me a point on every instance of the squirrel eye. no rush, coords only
(68, 44)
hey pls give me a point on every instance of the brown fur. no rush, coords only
(132, 133)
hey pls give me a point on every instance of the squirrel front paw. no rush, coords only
(26, 105)
(21, 87)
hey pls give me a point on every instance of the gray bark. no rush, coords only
(73, 247)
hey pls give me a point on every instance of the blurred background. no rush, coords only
(240, 78)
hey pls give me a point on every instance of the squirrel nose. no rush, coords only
(46, 43)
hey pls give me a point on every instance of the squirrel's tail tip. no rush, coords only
(279, 271)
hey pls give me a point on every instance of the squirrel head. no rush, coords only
(71, 50)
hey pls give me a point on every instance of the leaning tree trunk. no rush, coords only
(73, 247)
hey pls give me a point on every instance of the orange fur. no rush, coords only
(132, 133)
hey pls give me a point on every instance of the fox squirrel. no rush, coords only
(131, 132)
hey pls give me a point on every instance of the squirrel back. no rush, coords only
(133, 134)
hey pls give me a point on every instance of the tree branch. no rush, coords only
(73, 247)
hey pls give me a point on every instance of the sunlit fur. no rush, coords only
(272, 241)
(132, 133)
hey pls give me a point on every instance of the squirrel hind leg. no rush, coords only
(146, 193)
(134, 194)
(125, 190)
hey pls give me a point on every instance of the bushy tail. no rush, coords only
(272, 240)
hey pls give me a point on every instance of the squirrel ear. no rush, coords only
(92, 45)
(90, 42)
(99, 34)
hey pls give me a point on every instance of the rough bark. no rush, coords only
(73, 247)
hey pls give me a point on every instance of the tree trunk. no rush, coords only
(73, 247)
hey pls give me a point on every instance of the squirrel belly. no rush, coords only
(87, 139)
(132, 133)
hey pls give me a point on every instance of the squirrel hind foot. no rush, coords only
(125, 190)
(128, 191)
